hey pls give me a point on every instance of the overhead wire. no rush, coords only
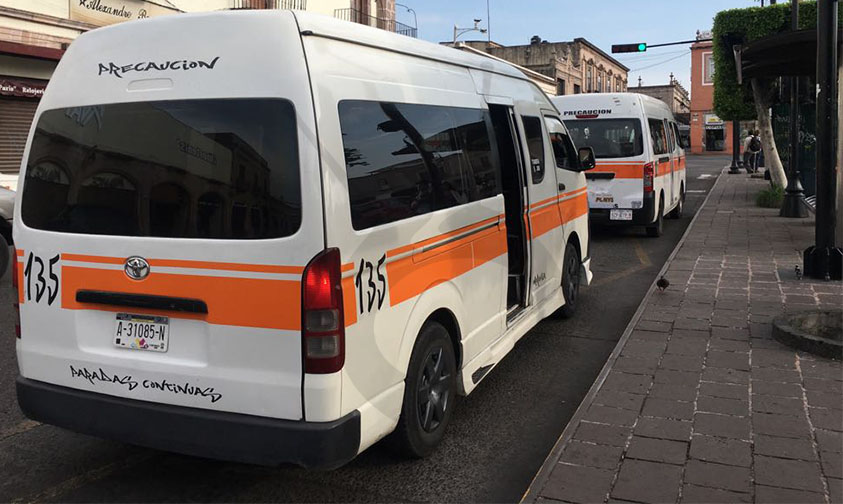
(685, 53)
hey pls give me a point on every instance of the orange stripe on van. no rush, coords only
(19, 252)
(179, 263)
(551, 217)
(406, 248)
(245, 302)
(410, 276)
(349, 300)
(621, 171)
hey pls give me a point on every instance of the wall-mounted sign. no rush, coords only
(711, 120)
(22, 88)
(106, 12)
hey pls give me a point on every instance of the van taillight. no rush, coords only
(648, 177)
(16, 295)
(323, 326)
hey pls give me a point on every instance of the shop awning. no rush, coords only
(783, 54)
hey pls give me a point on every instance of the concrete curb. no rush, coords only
(541, 477)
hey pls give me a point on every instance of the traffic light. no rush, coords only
(625, 48)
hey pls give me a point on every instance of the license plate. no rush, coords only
(142, 332)
(616, 214)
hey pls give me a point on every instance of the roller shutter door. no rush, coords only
(15, 118)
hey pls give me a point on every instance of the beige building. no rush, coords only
(673, 93)
(35, 33)
(575, 67)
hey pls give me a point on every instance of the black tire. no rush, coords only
(4, 256)
(656, 229)
(570, 281)
(427, 409)
(677, 211)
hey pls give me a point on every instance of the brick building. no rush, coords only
(709, 133)
(576, 67)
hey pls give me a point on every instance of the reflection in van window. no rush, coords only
(660, 145)
(535, 145)
(404, 160)
(166, 169)
(609, 138)
(563, 150)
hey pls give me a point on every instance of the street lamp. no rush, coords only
(794, 198)
(460, 31)
(415, 19)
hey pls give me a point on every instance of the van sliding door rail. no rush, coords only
(149, 301)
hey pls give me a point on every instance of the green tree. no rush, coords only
(752, 99)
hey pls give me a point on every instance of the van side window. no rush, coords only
(677, 134)
(563, 149)
(404, 160)
(535, 146)
(671, 137)
(658, 136)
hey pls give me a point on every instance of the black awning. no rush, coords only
(783, 54)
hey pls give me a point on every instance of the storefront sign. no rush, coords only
(106, 12)
(711, 121)
(26, 89)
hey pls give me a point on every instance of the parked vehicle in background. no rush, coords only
(640, 173)
(285, 256)
(7, 212)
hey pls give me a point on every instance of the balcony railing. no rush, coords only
(269, 4)
(358, 16)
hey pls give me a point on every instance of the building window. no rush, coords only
(560, 86)
(599, 82)
(708, 68)
(577, 89)
(588, 83)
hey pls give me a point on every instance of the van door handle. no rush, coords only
(665, 159)
(561, 187)
(148, 301)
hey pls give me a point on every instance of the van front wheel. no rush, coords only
(429, 392)
(4, 256)
(679, 209)
(570, 281)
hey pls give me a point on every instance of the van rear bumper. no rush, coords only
(643, 216)
(193, 431)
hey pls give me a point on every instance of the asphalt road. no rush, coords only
(499, 437)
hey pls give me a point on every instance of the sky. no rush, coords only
(602, 22)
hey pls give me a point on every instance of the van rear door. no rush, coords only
(163, 228)
(618, 144)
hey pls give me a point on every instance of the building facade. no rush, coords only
(709, 133)
(673, 94)
(575, 67)
(35, 34)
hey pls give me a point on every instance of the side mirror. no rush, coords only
(587, 161)
(685, 143)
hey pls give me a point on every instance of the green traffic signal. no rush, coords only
(642, 47)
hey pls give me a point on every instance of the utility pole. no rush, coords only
(824, 260)
(459, 31)
(794, 198)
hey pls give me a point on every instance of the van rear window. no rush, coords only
(218, 168)
(609, 138)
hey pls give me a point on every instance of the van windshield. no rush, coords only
(219, 168)
(609, 138)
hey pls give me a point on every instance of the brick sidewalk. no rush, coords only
(701, 404)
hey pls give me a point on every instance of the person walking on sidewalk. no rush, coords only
(753, 148)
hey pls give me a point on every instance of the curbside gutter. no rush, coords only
(540, 479)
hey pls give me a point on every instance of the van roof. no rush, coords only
(326, 26)
(613, 100)
(312, 24)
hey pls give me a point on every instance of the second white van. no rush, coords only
(640, 174)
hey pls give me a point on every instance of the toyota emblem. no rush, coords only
(136, 268)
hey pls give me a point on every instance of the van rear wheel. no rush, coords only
(429, 392)
(570, 281)
(657, 228)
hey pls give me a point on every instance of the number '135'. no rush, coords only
(45, 278)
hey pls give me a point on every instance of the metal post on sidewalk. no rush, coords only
(824, 260)
(794, 198)
(736, 147)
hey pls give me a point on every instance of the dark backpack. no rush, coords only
(755, 144)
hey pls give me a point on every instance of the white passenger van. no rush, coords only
(284, 255)
(640, 173)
